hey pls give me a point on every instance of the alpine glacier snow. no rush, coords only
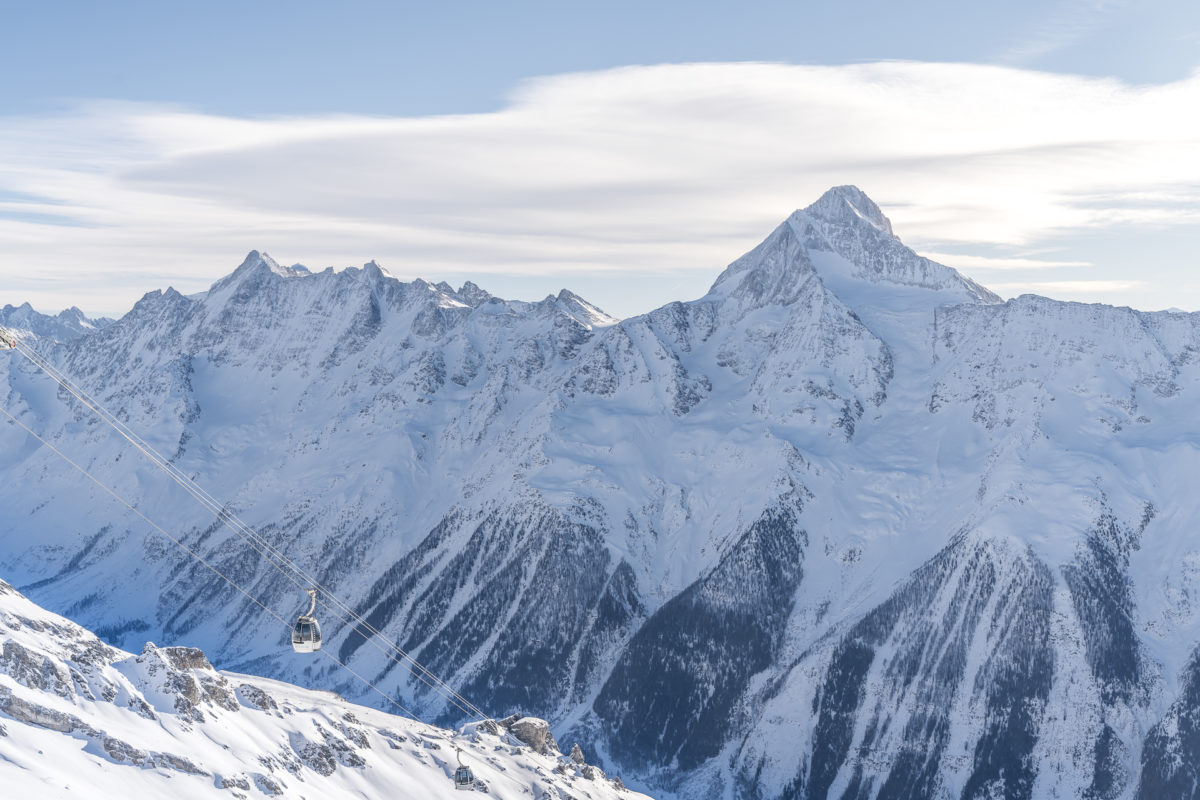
(847, 526)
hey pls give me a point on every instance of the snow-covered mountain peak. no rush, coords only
(846, 205)
(439, 295)
(472, 295)
(256, 260)
(260, 283)
(255, 267)
(582, 311)
(844, 241)
(846, 223)
(372, 267)
(76, 317)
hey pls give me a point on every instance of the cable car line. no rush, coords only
(257, 542)
(272, 555)
(306, 636)
(262, 546)
(459, 781)
(202, 560)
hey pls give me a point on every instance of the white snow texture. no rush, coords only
(847, 526)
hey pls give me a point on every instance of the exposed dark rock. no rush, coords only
(34, 670)
(253, 696)
(925, 668)
(672, 695)
(1171, 753)
(320, 758)
(535, 733)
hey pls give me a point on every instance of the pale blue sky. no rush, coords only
(146, 143)
(246, 58)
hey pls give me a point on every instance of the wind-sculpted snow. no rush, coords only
(847, 526)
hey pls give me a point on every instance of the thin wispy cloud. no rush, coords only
(667, 170)
(1070, 287)
(1065, 24)
(968, 263)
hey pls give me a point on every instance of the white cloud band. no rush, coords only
(642, 170)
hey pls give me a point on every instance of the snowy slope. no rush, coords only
(846, 526)
(81, 719)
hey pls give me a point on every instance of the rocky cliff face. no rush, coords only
(846, 526)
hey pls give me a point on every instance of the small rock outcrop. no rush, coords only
(185, 675)
(533, 733)
(34, 670)
(255, 697)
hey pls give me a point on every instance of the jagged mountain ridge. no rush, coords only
(747, 545)
(67, 324)
(80, 718)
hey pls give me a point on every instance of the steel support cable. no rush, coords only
(256, 542)
(287, 625)
(273, 556)
(276, 558)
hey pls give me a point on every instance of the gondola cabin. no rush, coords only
(464, 779)
(306, 635)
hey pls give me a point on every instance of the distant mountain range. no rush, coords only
(66, 325)
(848, 526)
